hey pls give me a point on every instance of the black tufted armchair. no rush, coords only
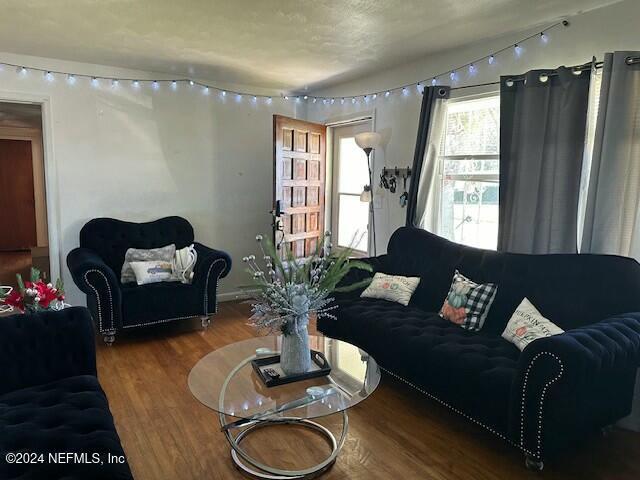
(95, 267)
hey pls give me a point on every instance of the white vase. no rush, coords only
(295, 355)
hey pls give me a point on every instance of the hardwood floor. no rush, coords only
(396, 433)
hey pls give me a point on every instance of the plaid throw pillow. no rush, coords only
(468, 303)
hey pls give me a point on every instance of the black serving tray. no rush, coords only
(319, 368)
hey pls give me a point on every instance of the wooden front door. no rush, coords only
(299, 156)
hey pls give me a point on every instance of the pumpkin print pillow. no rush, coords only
(527, 324)
(468, 303)
(391, 287)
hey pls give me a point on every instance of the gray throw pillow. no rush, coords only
(165, 253)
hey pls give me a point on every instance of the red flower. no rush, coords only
(15, 300)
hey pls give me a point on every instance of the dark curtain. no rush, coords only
(543, 118)
(430, 96)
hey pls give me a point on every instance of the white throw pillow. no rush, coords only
(527, 324)
(165, 254)
(391, 287)
(153, 271)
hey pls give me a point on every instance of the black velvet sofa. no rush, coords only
(51, 401)
(541, 400)
(95, 267)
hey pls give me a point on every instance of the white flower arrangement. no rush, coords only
(292, 289)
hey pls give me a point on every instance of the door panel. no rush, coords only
(299, 183)
(18, 212)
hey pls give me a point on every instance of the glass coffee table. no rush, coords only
(224, 381)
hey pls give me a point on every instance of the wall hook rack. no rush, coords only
(389, 179)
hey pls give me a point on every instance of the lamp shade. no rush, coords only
(368, 140)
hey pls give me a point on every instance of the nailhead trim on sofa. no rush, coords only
(542, 396)
(538, 454)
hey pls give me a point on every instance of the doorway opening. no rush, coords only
(24, 232)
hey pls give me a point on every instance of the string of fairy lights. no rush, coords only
(451, 76)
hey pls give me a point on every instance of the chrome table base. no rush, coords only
(256, 469)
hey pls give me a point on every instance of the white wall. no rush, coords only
(141, 155)
(611, 28)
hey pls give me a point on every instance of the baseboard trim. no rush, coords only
(235, 295)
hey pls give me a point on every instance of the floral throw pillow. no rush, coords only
(391, 287)
(468, 303)
(527, 324)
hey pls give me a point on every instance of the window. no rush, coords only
(470, 160)
(351, 216)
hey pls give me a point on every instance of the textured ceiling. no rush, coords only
(286, 44)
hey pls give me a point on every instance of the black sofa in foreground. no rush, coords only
(55, 421)
(541, 400)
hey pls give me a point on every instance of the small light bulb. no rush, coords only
(387, 93)
(353, 100)
(434, 81)
(23, 70)
(223, 93)
(324, 100)
(305, 97)
(135, 84)
(492, 59)
(114, 83)
(286, 97)
(543, 37)
(366, 98)
(94, 81)
(71, 79)
(342, 100)
(452, 75)
(206, 90)
(174, 85)
(191, 83)
(155, 85)
(404, 90)
(238, 97)
(48, 76)
(255, 99)
(314, 100)
(472, 69)
(269, 99)
(375, 95)
(517, 49)
(333, 101)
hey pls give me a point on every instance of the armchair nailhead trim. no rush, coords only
(206, 300)
(541, 405)
(95, 290)
(165, 320)
(206, 285)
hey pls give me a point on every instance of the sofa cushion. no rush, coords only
(68, 416)
(471, 371)
(154, 302)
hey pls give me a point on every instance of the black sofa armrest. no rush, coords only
(574, 383)
(46, 346)
(211, 266)
(101, 285)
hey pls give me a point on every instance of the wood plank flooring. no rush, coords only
(395, 434)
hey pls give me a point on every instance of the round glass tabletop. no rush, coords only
(224, 381)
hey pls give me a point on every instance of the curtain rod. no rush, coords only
(576, 68)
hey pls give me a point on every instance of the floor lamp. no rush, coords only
(369, 141)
